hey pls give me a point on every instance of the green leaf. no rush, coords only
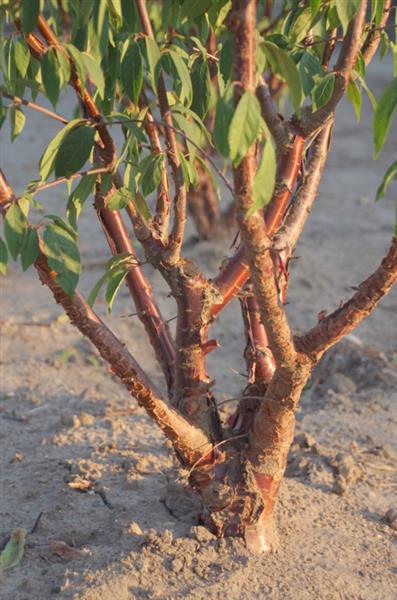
(153, 58)
(18, 120)
(22, 56)
(354, 95)
(50, 74)
(78, 61)
(182, 78)
(151, 169)
(244, 127)
(95, 72)
(132, 72)
(119, 199)
(115, 281)
(142, 206)
(202, 88)
(314, 6)
(63, 225)
(64, 65)
(74, 150)
(346, 9)
(63, 256)
(14, 549)
(83, 189)
(383, 115)
(323, 91)
(30, 14)
(3, 257)
(194, 8)
(47, 160)
(223, 118)
(15, 227)
(301, 25)
(283, 65)
(265, 178)
(30, 250)
(390, 174)
(309, 68)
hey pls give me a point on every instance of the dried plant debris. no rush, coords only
(13, 551)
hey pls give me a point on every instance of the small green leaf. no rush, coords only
(119, 199)
(354, 95)
(78, 61)
(74, 150)
(30, 14)
(322, 91)
(283, 65)
(3, 257)
(194, 8)
(22, 56)
(50, 74)
(223, 118)
(64, 65)
(15, 227)
(244, 127)
(202, 88)
(390, 174)
(265, 178)
(301, 25)
(153, 58)
(30, 250)
(77, 198)
(309, 68)
(346, 9)
(181, 78)
(47, 160)
(14, 549)
(18, 120)
(314, 6)
(142, 206)
(63, 225)
(132, 72)
(92, 296)
(151, 169)
(63, 256)
(95, 72)
(383, 115)
(115, 281)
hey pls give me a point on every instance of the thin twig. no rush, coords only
(17, 100)
(230, 439)
(50, 184)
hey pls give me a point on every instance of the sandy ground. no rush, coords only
(65, 423)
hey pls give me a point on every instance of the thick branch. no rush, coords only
(189, 442)
(374, 36)
(311, 121)
(342, 321)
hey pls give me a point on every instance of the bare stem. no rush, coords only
(32, 105)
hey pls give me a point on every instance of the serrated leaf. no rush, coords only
(22, 56)
(182, 78)
(265, 178)
(77, 198)
(119, 199)
(3, 257)
(50, 74)
(202, 88)
(383, 115)
(47, 160)
(30, 14)
(18, 121)
(194, 8)
(223, 118)
(322, 91)
(115, 281)
(245, 126)
(15, 227)
(151, 169)
(132, 72)
(390, 174)
(13, 550)
(30, 250)
(63, 256)
(354, 95)
(153, 58)
(283, 65)
(74, 150)
(95, 72)
(346, 10)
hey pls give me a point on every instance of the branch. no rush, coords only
(374, 36)
(269, 113)
(311, 121)
(34, 106)
(172, 254)
(45, 186)
(342, 321)
(290, 232)
(189, 442)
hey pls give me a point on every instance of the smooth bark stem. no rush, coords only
(373, 38)
(32, 105)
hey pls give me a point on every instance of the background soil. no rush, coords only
(67, 425)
